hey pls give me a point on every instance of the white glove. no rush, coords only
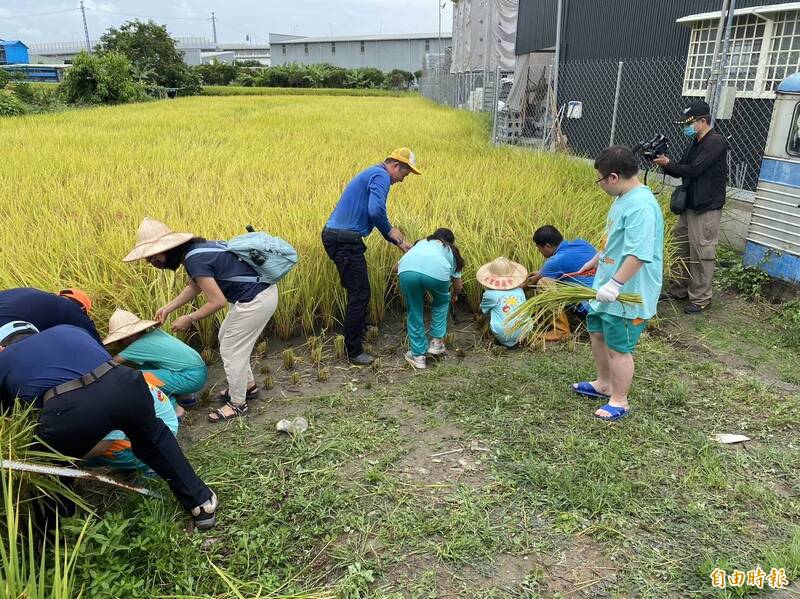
(609, 292)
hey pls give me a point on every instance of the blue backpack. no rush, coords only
(271, 257)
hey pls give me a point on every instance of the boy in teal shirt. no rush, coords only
(631, 262)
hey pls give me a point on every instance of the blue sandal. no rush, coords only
(587, 390)
(615, 411)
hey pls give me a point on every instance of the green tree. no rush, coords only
(217, 73)
(149, 46)
(399, 79)
(100, 79)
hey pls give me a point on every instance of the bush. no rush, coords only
(104, 79)
(399, 79)
(366, 78)
(732, 274)
(217, 73)
(10, 105)
(790, 320)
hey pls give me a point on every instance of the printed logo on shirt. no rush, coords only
(509, 304)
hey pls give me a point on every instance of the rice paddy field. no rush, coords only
(79, 183)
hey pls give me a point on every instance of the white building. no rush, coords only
(385, 52)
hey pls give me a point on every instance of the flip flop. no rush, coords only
(238, 412)
(615, 411)
(587, 389)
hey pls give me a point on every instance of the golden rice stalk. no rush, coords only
(536, 315)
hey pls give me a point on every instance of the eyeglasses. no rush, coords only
(604, 178)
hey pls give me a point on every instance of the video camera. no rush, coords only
(649, 150)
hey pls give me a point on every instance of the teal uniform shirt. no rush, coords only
(635, 227)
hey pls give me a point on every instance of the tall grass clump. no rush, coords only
(81, 182)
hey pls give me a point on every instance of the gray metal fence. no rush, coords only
(617, 103)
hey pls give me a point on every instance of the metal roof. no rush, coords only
(753, 10)
(790, 85)
(11, 43)
(367, 38)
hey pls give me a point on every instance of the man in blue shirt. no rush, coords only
(44, 310)
(361, 208)
(563, 259)
(82, 396)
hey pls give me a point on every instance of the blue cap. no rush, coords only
(14, 327)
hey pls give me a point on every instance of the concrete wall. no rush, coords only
(384, 54)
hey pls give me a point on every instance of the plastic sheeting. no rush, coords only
(484, 33)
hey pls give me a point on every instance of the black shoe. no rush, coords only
(693, 309)
(205, 516)
(671, 297)
(362, 359)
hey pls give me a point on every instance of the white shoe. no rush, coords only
(437, 347)
(417, 362)
(205, 516)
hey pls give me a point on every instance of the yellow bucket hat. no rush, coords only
(407, 157)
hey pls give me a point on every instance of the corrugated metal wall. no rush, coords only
(614, 29)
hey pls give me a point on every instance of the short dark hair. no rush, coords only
(617, 159)
(547, 235)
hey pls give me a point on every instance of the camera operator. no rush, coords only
(703, 169)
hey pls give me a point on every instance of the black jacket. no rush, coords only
(704, 171)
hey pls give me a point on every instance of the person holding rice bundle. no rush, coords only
(429, 266)
(173, 366)
(502, 279)
(223, 279)
(631, 262)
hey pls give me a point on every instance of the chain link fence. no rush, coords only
(601, 103)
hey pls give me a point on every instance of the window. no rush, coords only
(283, 48)
(363, 47)
(427, 45)
(764, 49)
(333, 47)
(305, 48)
(793, 141)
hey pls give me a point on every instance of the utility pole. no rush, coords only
(439, 6)
(86, 29)
(214, 27)
(716, 63)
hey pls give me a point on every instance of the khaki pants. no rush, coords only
(696, 238)
(237, 338)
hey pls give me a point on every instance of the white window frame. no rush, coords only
(771, 61)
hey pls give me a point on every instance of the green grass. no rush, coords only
(562, 504)
(232, 90)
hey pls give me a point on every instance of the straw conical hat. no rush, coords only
(124, 324)
(154, 237)
(502, 274)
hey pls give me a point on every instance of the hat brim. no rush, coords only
(689, 119)
(151, 248)
(128, 330)
(492, 281)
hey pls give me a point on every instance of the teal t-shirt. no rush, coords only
(500, 304)
(635, 227)
(431, 258)
(158, 349)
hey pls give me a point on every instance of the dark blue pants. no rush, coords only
(347, 251)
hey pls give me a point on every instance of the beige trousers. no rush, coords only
(696, 238)
(237, 338)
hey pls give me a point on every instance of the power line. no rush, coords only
(40, 14)
(122, 14)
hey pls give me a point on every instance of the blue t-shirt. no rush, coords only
(362, 206)
(158, 349)
(43, 310)
(220, 265)
(501, 304)
(569, 257)
(635, 227)
(432, 258)
(42, 361)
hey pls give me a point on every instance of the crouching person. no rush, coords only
(176, 368)
(83, 395)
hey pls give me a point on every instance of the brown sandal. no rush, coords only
(220, 416)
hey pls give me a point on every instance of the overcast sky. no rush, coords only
(24, 19)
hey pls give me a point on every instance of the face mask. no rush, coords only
(689, 131)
